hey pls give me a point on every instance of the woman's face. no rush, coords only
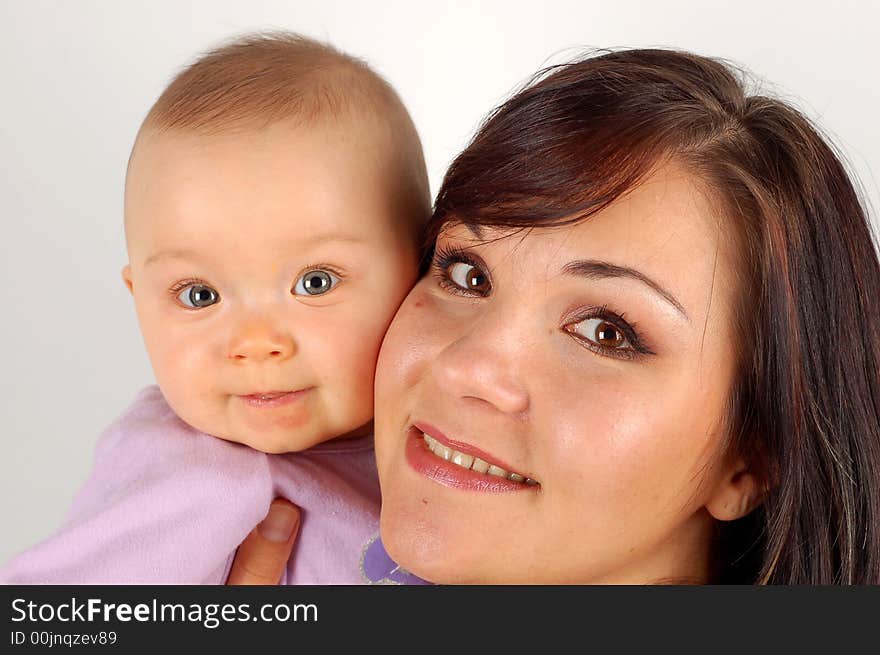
(592, 362)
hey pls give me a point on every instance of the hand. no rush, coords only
(263, 555)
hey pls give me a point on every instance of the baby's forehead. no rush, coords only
(215, 217)
(279, 187)
(281, 163)
(276, 151)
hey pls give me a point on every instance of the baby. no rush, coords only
(274, 202)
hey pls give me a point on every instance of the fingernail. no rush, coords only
(279, 522)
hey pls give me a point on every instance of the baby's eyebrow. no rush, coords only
(174, 254)
(311, 240)
(331, 237)
(595, 269)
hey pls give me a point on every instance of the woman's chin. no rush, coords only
(424, 550)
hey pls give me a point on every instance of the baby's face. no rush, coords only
(265, 268)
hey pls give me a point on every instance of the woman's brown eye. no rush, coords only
(468, 276)
(608, 335)
(602, 333)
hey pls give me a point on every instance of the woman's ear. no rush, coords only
(737, 492)
(126, 277)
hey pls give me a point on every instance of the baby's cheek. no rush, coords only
(187, 366)
(188, 376)
(348, 367)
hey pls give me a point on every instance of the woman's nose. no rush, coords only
(257, 341)
(482, 365)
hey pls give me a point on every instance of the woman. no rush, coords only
(626, 363)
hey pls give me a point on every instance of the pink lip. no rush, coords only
(462, 447)
(451, 475)
(272, 399)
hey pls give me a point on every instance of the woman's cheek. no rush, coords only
(418, 333)
(605, 429)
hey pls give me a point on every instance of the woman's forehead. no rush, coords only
(668, 215)
(665, 229)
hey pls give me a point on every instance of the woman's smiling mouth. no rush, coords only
(452, 467)
(470, 462)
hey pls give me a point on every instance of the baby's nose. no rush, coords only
(260, 343)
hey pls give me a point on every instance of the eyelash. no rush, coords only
(322, 267)
(179, 286)
(445, 256)
(175, 289)
(629, 329)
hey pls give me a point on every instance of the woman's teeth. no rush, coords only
(471, 462)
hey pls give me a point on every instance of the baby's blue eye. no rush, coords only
(315, 283)
(197, 296)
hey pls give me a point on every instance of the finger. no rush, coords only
(263, 555)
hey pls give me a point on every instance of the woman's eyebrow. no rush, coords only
(595, 269)
(474, 229)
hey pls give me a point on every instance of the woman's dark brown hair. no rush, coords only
(805, 405)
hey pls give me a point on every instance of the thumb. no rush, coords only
(263, 555)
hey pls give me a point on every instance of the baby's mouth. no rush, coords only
(271, 395)
(472, 463)
(270, 399)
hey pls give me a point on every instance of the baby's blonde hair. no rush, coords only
(258, 79)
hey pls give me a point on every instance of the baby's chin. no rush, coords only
(273, 441)
(268, 436)
(273, 444)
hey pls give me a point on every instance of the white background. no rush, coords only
(78, 77)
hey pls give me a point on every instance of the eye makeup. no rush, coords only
(629, 329)
(447, 256)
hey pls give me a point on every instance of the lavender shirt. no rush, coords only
(166, 504)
